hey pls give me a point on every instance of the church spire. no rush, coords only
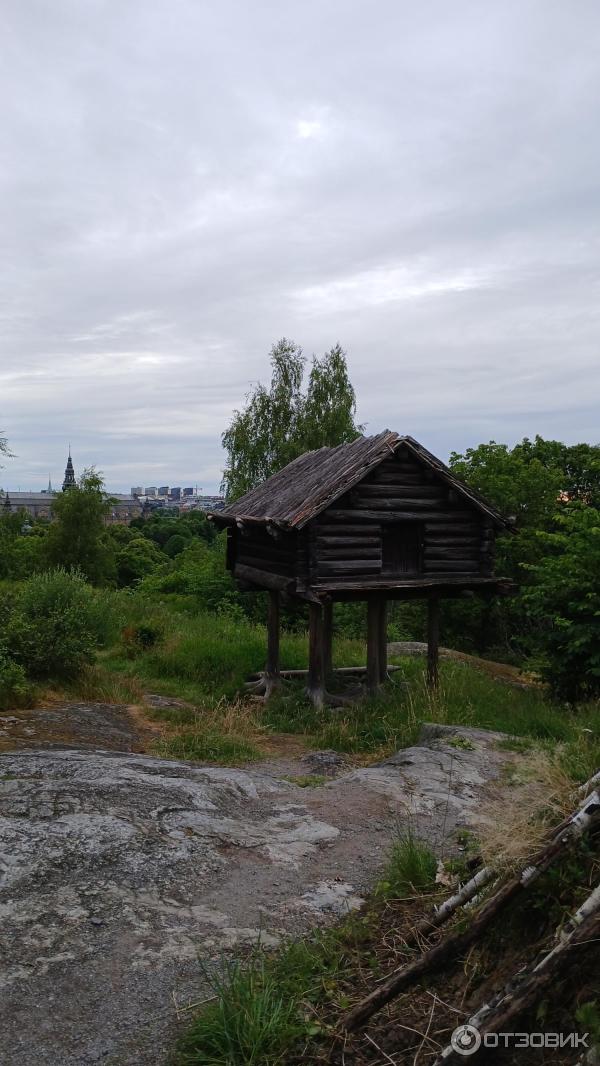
(69, 481)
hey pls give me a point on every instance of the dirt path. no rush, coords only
(117, 870)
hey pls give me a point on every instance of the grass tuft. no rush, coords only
(411, 868)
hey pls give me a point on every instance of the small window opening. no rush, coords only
(402, 547)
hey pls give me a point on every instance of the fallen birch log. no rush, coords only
(523, 992)
(470, 889)
(455, 943)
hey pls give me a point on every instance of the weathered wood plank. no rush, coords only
(349, 565)
(400, 489)
(347, 542)
(453, 566)
(364, 529)
(383, 515)
(370, 551)
(262, 578)
(397, 503)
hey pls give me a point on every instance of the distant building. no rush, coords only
(150, 490)
(69, 478)
(39, 504)
(175, 494)
(163, 490)
(188, 492)
(137, 490)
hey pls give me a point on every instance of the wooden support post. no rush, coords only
(328, 638)
(433, 641)
(316, 682)
(383, 663)
(373, 644)
(272, 675)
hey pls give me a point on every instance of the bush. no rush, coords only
(14, 687)
(565, 604)
(53, 626)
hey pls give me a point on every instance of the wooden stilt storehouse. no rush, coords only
(378, 519)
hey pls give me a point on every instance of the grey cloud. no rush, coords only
(182, 183)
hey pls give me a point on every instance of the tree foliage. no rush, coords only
(282, 421)
(564, 602)
(78, 539)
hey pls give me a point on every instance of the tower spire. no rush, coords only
(69, 480)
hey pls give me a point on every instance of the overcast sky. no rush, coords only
(183, 182)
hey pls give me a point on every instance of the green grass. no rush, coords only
(208, 747)
(410, 869)
(204, 658)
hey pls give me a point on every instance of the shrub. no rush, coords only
(14, 687)
(565, 603)
(52, 629)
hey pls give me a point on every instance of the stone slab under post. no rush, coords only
(316, 679)
(383, 661)
(272, 674)
(433, 642)
(373, 644)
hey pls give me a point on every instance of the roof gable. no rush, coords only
(309, 484)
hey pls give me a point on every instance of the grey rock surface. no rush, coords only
(117, 871)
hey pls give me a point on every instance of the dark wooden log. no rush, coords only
(373, 644)
(383, 663)
(345, 542)
(328, 638)
(390, 489)
(453, 566)
(272, 675)
(433, 642)
(337, 529)
(371, 552)
(368, 567)
(397, 503)
(316, 680)
(441, 551)
(272, 566)
(263, 579)
(452, 519)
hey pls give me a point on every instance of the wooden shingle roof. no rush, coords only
(306, 486)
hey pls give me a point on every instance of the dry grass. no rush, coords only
(542, 794)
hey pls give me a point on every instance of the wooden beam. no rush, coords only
(373, 626)
(316, 681)
(433, 641)
(263, 579)
(272, 674)
(328, 638)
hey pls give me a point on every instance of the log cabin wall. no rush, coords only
(254, 546)
(401, 520)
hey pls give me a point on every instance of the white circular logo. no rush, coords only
(466, 1040)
